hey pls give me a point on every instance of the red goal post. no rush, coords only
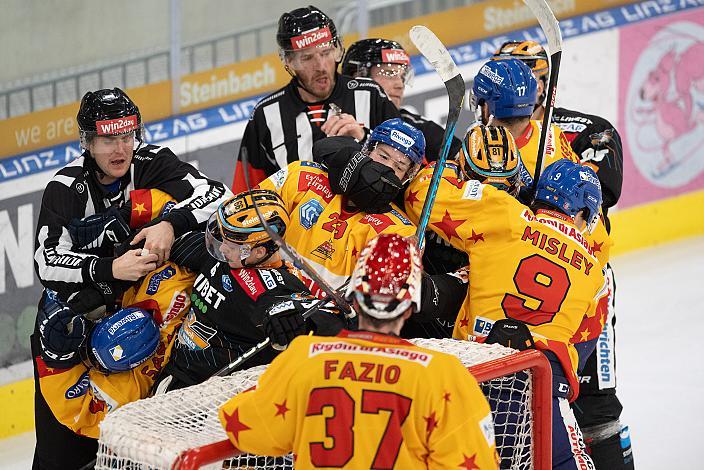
(180, 430)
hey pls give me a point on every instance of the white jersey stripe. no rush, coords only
(272, 114)
(305, 138)
(362, 107)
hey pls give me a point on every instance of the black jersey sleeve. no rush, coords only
(197, 195)
(58, 266)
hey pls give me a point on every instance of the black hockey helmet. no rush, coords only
(107, 112)
(305, 27)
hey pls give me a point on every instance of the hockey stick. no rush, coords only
(433, 50)
(297, 259)
(237, 363)
(551, 28)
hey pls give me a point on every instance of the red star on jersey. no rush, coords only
(430, 423)
(469, 462)
(454, 181)
(476, 237)
(412, 197)
(464, 322)
(596, 247)
(354, 252)
(234, 425)
(446, 396)
(281, 409)
(449, 226)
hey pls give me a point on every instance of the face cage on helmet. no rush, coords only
(406, 70)
(383, 307)
(214, 242)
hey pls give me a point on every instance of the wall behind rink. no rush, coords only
(608, 57)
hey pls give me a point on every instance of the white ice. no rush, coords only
(660, 307)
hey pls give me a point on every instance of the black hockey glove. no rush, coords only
(283, 322)
(61, 332)
(370, 185)
(325, 149)
(511, 333)
(96, 300)
(97, 230)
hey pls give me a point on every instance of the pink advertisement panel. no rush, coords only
(661, 107)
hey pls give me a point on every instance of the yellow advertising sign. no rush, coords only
(264, 74)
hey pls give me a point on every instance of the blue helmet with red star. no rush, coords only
(570, 188)
(507, 86)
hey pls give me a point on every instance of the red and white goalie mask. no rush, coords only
(387, 278)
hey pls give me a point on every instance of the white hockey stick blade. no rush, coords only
(541, 10)
(434, 52)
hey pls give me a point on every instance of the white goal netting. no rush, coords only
(151, 433)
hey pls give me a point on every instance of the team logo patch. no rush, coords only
(156, 279)
(325, 250)
(117, 126)
(473, 190)
(311, 38)
(482, 326)
(352, 84)
(309, 213)
(117, 352)
(395, 56)
(226, 282)
(167, 208)
(79, 388)
(195, 335)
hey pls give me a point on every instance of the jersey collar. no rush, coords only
(524, 138)
(374, 337)
(557, 215)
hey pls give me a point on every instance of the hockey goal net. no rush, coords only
(181, 430)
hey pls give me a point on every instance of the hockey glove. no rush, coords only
(98, 230)
(283, 322)
(511, 333)
(94, 301)
(61, 332)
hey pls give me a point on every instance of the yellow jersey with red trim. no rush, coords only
(323, 230)
(556, 147)
(364, 400)
(80, 397)
(535, 268)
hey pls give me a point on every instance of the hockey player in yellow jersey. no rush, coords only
(532, 265)
(506, 92)
(368, 399)
(329, 230)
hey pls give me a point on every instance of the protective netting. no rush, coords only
(151, 433)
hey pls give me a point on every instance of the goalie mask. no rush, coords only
(123, 340)
(234, 229)
(490, 156)
(387, 277)
(108, 112)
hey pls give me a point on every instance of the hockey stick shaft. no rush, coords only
(237, 363)
(436, 53)
(297, 259)
(551, 28)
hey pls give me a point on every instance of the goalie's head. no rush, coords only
(235, 234)
(386, 282)
(489, 155)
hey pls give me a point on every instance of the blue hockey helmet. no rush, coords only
(403, 137)
(124, 340)
(507, 86)
(570, 187)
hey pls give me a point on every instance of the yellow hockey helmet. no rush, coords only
(489, 155)
(530, 52)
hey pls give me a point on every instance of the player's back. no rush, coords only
(366, 400)
(556, 147)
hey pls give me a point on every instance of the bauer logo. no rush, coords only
(311, 38)
(401, 138)
(116, 126)
(309, 213)
(491, 75)
(395, 56)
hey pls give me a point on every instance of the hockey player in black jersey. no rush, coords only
(243, 293)
(598, 145)
(115, 162)
(316, 103)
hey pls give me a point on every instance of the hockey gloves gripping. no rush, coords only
(284, 320)
(61, 332)
(370, 185)
(96, 230)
